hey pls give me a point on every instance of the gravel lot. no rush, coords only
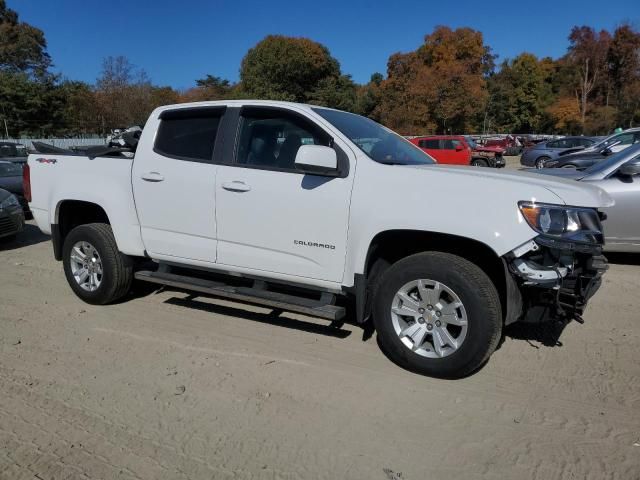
(166, 386)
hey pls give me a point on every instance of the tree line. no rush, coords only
(449, 84)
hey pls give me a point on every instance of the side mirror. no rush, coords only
(317, 160)
(608, 150)
(631, 168)
(459, 147)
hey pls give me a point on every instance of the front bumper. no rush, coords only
(499, 162)
(557, 280)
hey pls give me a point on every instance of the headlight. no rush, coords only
(573, 224)
(10, 201)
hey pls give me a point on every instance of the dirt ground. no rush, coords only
(166, 386)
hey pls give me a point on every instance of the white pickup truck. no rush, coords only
(323, 212)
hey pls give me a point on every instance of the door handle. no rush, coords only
(236, 186)
(152, 177)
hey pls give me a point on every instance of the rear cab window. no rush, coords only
(188, 134)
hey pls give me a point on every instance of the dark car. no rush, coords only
(13, 152)
(11, 180)
(541, 153)
(582, 160)
(11, 215)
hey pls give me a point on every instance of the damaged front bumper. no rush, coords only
(553, 279)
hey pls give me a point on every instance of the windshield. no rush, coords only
(472, 143)
(10, 170)
(12, 150)
(379, 143)
(612, 160)
(624, 138)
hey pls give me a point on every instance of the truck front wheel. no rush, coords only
(437, 314)
(479, 162)
(96, 271)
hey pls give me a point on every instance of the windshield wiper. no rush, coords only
(391, 162)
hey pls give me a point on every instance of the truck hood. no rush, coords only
(566, 191)
(568, 173)
(480, 148)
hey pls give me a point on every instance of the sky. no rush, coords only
(179, 41)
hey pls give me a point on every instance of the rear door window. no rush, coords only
(188, 134)
(431, 144)
(450, 144)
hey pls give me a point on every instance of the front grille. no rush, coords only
(7, 226)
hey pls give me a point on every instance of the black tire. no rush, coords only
(478, 295)
(479, 162)
(541, 161)
(9, 238)
(117, 268)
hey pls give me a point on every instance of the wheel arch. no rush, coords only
(392, 245)
(71, 213)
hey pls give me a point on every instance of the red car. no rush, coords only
(460, 150)
(510, 144)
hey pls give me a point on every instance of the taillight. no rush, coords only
(26, 182)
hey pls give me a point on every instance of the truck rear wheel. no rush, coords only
(437, 314)
(96, 271)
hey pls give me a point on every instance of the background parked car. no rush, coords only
(587, 157)
(539, 154)
(511, 145)
(619, 176)
(459, 150)
(11, 215)
(616, 142)
(13, 152)
(11, 180)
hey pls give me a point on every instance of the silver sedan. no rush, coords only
(618, 175)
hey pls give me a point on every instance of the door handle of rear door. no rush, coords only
(152, 177)
(236, 186)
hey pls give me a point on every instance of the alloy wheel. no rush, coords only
(429, 318)
(86, 266)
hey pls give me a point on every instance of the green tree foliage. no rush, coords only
(335, 92)
(519, 94)
(368, 96)
(22, 47)
(28, 106)
(287, 68)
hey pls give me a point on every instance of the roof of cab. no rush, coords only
(238, 103)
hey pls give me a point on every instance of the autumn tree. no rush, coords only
(623, 58)
(439, 87)
(209, 88)
(587, 56)
(565, 112)
(125, 95)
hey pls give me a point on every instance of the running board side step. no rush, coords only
(322, 308)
